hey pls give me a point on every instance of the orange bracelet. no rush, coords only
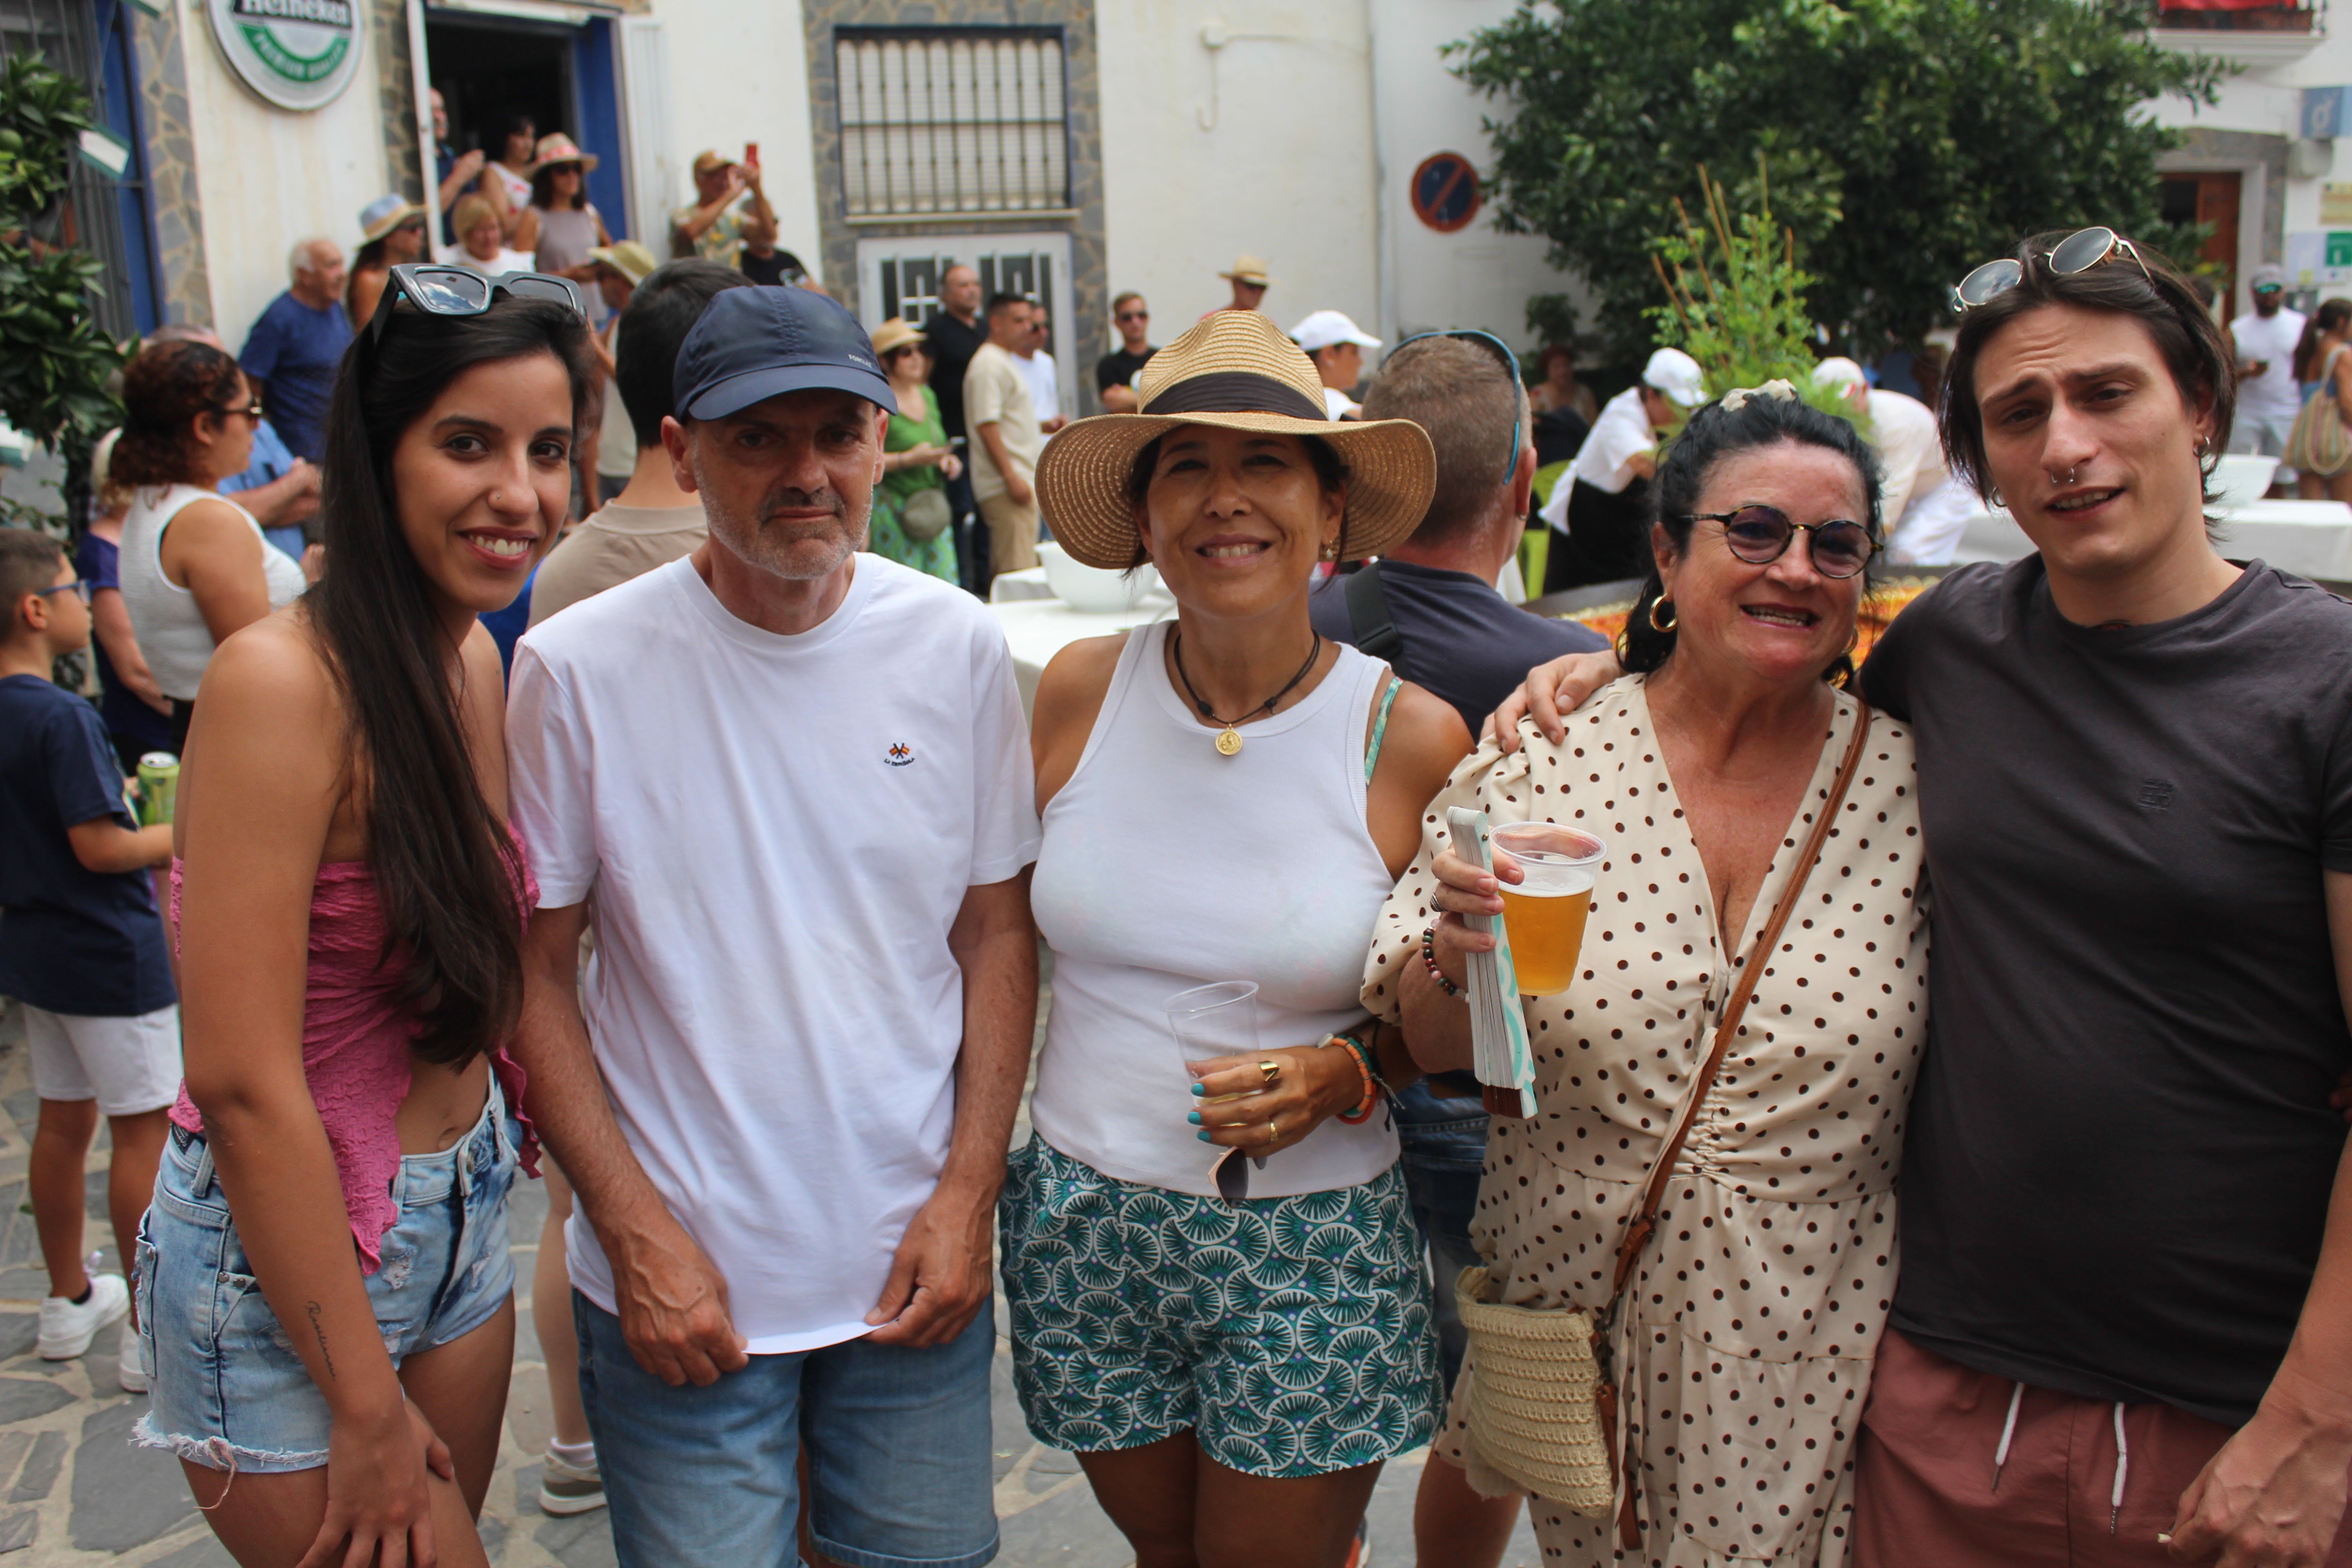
(1355, 1053)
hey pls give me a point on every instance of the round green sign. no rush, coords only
(298, 53)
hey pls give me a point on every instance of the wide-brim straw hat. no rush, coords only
(384, 214)
(1248, 269)
(555, 148)
(1237, 372)
(628, 258)
(894, 333)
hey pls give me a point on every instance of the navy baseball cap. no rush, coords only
(755, 343)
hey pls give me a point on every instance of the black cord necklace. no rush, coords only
(1229, 739)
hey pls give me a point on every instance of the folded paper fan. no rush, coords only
(1500, 1055)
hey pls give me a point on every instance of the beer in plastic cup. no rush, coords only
(1214, 1021)
(1544, 915)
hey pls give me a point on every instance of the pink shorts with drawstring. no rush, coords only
(2069, 1494)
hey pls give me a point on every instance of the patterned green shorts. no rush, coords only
(1292, 1335)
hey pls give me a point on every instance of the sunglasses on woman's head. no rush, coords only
(1759, 535)
(2078, 252)
(438, 290)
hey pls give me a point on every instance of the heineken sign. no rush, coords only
(298, 53)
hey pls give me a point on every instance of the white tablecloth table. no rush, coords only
(2309, 537)
(1038, 629)
(1011, 587)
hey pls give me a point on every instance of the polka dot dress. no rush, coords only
(1745, 1341)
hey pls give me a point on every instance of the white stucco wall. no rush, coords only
(1277, 164)
(1475, 277)
(269, 177)
(739, 74)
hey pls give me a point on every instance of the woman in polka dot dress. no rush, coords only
(1744, 1340)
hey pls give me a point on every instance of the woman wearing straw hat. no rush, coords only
(559, 227)
(1226, 797)
(912, 514)
(391, 231)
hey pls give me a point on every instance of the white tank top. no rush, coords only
(1167, 866)
(171, 629)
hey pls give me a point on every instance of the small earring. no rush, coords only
(1330, 550)
(1672, 620)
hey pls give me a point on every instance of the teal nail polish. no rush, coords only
(1200, 1089)
(1194, 1117)
(1203, 1135)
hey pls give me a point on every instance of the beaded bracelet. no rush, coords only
(1371, 1081)
(1429, 958)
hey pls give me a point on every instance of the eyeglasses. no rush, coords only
(79, 588)
(1759, 535)
(2078, 252)
(1501, 350)
(442, 290)
(1132, 316)
(250, 410)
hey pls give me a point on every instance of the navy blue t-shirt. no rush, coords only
(296, 350)
(99, 562)
(72, 941)
(1463, 641)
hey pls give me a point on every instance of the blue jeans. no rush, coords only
(898, 1453)
(1445, 1155)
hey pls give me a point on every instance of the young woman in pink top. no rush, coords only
(326, 1296)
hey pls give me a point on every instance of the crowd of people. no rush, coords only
(1932, 1159)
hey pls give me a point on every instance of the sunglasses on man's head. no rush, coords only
(439, 289)
(1759, 535)
(1510, 362)
(2078, 252)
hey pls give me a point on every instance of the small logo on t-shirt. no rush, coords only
(2156, 793)
(900, 754)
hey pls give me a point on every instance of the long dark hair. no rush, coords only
(1714, 433)
(542, 186)
(2330, 317)
(449, 876)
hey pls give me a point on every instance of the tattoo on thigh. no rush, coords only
(320, 1333)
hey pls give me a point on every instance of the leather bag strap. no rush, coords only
(1645, 1218)
(1367, 613)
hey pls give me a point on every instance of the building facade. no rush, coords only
(1069, 148)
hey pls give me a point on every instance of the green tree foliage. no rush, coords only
(54, 360)
(1909, 139)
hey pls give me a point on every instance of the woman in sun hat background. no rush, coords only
(559, 228)
(917, 461)
(391, 231)
(1226, 797)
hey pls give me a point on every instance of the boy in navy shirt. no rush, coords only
(81, 946)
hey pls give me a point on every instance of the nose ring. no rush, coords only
(2055, 482)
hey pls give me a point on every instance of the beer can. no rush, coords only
(159, 785)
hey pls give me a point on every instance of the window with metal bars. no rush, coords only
(953, 120)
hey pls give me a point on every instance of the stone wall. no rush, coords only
(1089, 307)
(396, 97)
(172, 199)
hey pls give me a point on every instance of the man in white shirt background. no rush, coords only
(1922, 511)
(1337, 346)
(1034, 360)
(795, 781)
(2268, 397)
(1600, 510)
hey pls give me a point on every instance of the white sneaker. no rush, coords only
(566, 1488)
(66, 1330)
(130, 1365)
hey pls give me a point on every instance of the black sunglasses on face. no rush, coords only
(1134, 315)
(1501, 350)
(1759, 535)
(439, 289)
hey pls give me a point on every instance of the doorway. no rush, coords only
(486, 66)
(2208, 198)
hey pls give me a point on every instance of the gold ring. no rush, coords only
(1273, 1129)
(1269, 1073)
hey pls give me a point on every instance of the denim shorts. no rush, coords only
(226, 1389)
(1290, 1335)
(897, 1439)
(1445, 1155)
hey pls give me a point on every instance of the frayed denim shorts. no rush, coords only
(228, 1390)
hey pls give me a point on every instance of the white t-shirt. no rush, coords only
(778, 832)
(1910, 450)
(2274, 390)
(1622, 434)
(1045, 382)
(1339, 404)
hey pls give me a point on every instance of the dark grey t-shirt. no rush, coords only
(2120, 1151)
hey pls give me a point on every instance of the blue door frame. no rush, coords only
(597, 99)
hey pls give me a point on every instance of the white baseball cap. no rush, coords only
(1677, 376)
(1325, 328)
(1839, 371)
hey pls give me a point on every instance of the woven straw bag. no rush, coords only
(1542, 1401)
(2320, 443)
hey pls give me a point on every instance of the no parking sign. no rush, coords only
(1446, 192)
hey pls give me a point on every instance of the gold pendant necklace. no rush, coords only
(1229, 739)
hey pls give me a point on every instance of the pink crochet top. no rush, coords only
(355, 1044)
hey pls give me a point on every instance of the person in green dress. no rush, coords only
(916, 456)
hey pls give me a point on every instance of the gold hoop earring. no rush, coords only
(1672, 620)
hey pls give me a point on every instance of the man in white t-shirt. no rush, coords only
(795, 782)
(2268, 396)
(1337, 346)
(1035, 362)
(1600, 510)
(1922, 510)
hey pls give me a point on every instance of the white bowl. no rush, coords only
(1092, 588)
(2241, 478)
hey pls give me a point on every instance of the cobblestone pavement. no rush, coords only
(74, 1491)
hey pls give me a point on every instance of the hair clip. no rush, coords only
(1737, 398)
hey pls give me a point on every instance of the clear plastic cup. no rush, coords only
(1544, 914)
(1212, 1021)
